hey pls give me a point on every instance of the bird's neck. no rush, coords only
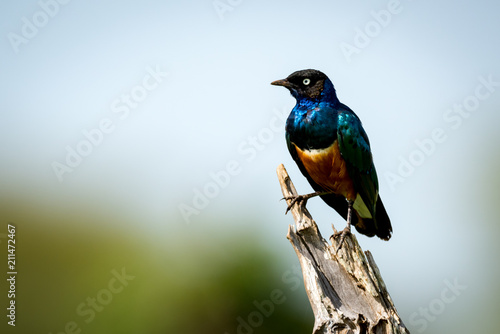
(328, 97)
(306, 104)
(312, 124)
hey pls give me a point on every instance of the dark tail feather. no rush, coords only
(382, 221)
(380, 226)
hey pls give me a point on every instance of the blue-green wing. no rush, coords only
(355, 149)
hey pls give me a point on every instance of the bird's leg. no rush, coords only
(302, 199)
(347, 229)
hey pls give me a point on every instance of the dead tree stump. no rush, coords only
(346, 291)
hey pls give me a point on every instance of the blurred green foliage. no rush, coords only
(205, 277)
(67, 264)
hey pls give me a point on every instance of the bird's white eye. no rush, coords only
(306, 81)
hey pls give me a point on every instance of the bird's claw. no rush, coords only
(295, 199)
(343, 233)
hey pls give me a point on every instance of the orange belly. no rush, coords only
(328, 169)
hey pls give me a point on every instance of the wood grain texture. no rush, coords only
(346, 291)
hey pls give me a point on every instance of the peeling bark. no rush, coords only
(346, 291)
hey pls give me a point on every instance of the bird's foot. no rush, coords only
(343, 233)
(295, 198)
(301, 199)
(347, 229)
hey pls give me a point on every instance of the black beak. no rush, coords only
(283, 82)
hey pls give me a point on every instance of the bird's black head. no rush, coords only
(308, 84)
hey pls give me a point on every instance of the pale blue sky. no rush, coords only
(418, 63)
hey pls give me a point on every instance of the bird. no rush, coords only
(331, 148)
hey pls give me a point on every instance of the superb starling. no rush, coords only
(331, 148)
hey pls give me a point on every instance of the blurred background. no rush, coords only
(139, 142)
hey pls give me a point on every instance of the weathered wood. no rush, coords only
(346, 292)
